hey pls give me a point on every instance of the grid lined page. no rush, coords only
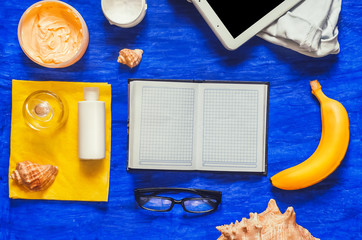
(167, 120)
(230, 133)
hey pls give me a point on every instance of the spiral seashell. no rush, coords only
(33, 176)
(130, 57)
(268, 225)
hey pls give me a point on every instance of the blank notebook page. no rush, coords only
(167, 126)
(230, 133)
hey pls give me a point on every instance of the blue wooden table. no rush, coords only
(178, 44)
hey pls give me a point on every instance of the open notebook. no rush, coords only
(188, 125)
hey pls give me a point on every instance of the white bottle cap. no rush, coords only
(91, 93)
(124, 13)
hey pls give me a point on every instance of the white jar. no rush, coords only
(124, 13)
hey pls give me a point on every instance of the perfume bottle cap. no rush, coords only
(91, 93)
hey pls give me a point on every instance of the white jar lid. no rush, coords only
(124, 13)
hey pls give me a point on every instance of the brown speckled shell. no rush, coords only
(268, 225)
(33, 176)
(130, 57)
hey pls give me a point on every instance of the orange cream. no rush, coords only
(53, 33)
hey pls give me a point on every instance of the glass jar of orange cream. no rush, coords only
(53, 34)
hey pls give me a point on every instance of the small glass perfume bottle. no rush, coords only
(44, 110)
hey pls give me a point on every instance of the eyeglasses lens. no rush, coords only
(200, 204)
(155, 203)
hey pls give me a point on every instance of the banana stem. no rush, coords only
(317, 90)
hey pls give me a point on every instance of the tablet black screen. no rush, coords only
(239, 16)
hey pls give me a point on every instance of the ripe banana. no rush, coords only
(330, 151)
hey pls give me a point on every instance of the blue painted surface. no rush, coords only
(178, 44)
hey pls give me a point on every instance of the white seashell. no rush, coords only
(268, 225)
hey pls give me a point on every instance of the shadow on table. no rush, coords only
(118, 36)
(303, 64)
(40, 204)
(189, 179)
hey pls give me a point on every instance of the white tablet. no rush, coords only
(235, 22)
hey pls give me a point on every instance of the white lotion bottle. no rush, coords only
(91, 126)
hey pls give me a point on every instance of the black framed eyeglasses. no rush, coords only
(157, 199)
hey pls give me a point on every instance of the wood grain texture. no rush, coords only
(178, 44)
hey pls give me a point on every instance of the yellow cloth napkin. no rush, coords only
(80, 180)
